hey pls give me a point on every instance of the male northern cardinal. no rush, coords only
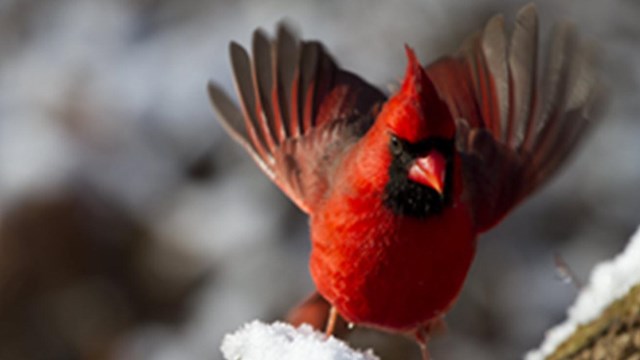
(398, 188)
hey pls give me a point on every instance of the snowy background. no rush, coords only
(131, 227)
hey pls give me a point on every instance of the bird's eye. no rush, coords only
(396, 145)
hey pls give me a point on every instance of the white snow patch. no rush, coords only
(610, 280)
(280, 341)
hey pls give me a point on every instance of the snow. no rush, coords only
(280, 341)
(609, 281)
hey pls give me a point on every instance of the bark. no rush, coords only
(615, 334)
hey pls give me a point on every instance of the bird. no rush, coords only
(398, 186)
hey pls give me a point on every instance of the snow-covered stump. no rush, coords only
(281, 341)
(604, 322)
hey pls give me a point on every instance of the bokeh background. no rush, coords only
(131, 226)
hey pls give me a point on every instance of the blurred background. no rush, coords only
(132, 227)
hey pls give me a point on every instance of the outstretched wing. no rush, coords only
(300, 111)
(515, 130)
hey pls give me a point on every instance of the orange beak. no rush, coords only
(430, 170)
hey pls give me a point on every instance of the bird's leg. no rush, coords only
(422, 338)
(423, 334)
(331, 321)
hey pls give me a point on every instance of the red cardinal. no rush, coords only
(398, 188)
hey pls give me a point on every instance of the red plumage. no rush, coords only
(397, 189)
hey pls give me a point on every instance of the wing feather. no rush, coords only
(244, 84)
(263, 84)
(308, 66)
(516, 131)
(523, 57)
(286, 64)
(494, 47)
(298, 109)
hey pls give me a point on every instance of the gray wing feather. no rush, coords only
(494, 46)
(524, 128)
(523, 56)
(297, 108)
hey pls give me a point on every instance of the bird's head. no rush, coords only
(419, 130)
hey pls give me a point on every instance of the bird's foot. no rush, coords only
(423, 334)
(331, 321)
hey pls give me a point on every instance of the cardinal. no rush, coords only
(398, 187)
